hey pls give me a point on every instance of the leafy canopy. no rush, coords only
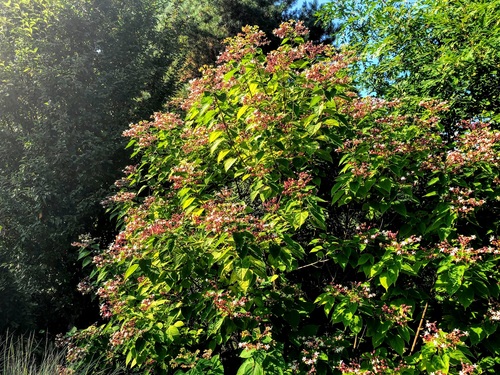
(279, 223)
(448, 50)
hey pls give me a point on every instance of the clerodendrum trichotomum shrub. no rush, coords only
(283, 225)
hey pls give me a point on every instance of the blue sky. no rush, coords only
(300, 2)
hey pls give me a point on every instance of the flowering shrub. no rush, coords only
(283, 225)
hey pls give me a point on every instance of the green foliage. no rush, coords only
(70, 72)
(281, 224)
(73, 74)
(443, 49)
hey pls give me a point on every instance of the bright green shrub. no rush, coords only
(284, 225)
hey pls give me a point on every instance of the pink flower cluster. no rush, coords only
(118, 250)
(260, 120)
(84, 241)
(441, 340)
(228, 305)
(243, 44)
(378, 366)
(225, 216)
(354, 367)
(461, 250)
(127, 331)
(493, 313)
(389, 239)
(185, 174)
(313, 347)
(255, 99)
(361, 107)
(474, 144)
(467, 368)
(358, 292)
(110, 288)
(480, 144)
(271, 205)
(147, 302)
(120, 197)
(167, 120)
(259, 341)
(84, 286)
(291, 29)
(329, 71)
(194, 138)
(296, 186)
(160, 226)
(105, 311)
(399, 315)
(462, 201)
(434, 105)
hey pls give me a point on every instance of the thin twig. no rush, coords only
(419, 328)
(312, 264)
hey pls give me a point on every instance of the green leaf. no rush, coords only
(397, 343)
(82, 253)
(244, 277)
(216, 144)
(477, 334)
(384, 281)
(241, 111)
(465, 296)
(131, 269)
(129, 357)
(431, 194)
(247, 353)
(456, 275)
(385, 184)
(379, 333)
(214, 135)
(230, 74)
(253, 87)
(294, 246)
(173, 332)
(400, 208)
(222, 155)
(187, 202)
(300, 218)
(356, 324)
(86, 262)
(365, 258)
(229, 163)
(313, 128)
(315, 100)
(324, 155)
(250, 367)
(318, 217)
(183, 191)
(433, 181)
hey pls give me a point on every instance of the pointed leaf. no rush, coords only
(229, 163)
(130, 270)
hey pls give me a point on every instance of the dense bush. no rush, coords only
(278, 223)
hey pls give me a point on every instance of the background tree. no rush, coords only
(70, 74)
(443, 49)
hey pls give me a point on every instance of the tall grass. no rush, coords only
(25, 355)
